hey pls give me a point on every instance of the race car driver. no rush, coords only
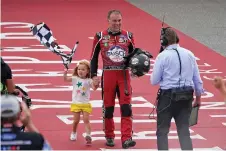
(114, 44)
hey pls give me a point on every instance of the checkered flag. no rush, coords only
(45, 36)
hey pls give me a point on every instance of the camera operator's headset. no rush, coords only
(163, 39)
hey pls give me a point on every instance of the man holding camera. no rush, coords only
(177, 73)
(11, 136)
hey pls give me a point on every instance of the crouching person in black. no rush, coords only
(11, 136)
(177, 73)
(7, 84)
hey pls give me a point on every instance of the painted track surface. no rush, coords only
(80, 20)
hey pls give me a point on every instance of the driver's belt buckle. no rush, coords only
(113, 67)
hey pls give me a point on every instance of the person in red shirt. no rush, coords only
(114, 44)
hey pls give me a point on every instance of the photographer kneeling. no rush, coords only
(11, 136)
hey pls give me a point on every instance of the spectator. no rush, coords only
(11, 136)
(220, 84)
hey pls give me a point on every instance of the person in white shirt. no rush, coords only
(220, 84)
(82, 83)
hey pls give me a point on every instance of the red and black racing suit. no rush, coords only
(113, 47)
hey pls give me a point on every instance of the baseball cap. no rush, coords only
(10, 106)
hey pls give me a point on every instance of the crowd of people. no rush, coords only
(175, 71)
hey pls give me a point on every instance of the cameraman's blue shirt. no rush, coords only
(167, 67)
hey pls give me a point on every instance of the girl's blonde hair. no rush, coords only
(82, 62)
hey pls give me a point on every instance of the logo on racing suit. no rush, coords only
(122, 39)
(116, 54)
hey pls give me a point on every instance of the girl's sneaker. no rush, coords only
(88, 140)
(73, 136)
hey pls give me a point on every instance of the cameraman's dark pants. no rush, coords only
(180, 111)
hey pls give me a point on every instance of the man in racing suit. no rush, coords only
(114, 44)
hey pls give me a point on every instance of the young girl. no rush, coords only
(81, 96)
